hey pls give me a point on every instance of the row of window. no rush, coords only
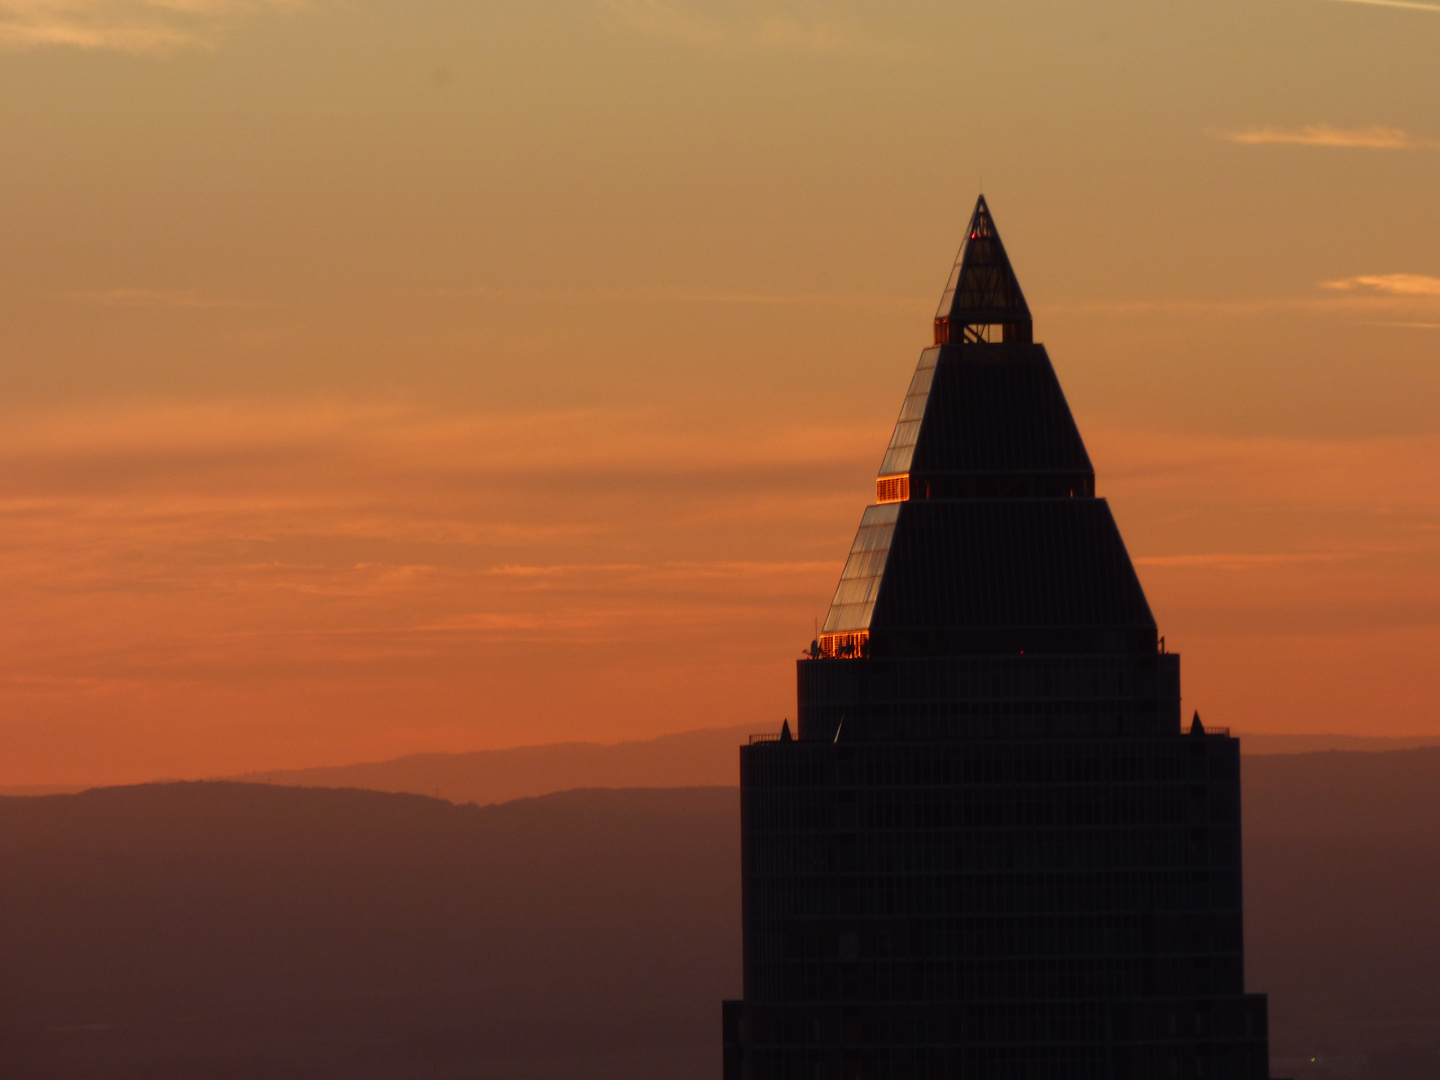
(932, 939)
(1108, 893)
(1076, 1062)
(771, 812)
(1080, 763)
(1231, 1018)
(981, 852)
(1042, 564)
(984, 980)
(904, 726)
(955, 678)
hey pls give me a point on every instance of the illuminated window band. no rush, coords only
(842, 645)
(890, 489)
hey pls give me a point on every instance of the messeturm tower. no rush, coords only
(989, 850)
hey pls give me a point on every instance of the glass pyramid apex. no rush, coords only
(983, 292)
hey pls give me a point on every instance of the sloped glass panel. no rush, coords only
(912, 411)
(947, 298)
(860, 580)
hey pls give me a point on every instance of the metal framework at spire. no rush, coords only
(982, 292)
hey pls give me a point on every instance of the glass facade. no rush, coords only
(907, 429)
(997, 908)
(854, 600)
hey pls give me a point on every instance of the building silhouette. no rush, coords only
(989, 849)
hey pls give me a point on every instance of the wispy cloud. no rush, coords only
(753, 25)
(368, 578)
(1241, 560)
(182, 549)
(672, 295)
(138, 26)
(1348, 297)
(669, 20)
(1389, 284)
(1406, 5)
(1369, 138)
(153, 298)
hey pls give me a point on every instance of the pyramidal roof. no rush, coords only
(983, 291)
(986, 535)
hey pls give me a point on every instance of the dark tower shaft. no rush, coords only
(990, 852)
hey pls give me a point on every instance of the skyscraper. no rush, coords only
(989, 849)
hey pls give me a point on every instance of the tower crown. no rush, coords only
(982, 292)
(986, 536)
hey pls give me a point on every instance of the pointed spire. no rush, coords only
(785, 735)
(982, 292)
(1196, 727)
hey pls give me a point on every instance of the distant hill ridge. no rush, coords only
(705, 758)
(249, 932)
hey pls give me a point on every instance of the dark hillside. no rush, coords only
(246, 931)
(228, 930)
(1342, 887)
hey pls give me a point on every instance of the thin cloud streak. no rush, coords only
(669, 295)
(400, 436)
(1355, 296)
(1389, 284)
(1370, 138)
(341, 565)
(154, 27)
(1240, 561)
(751, 27)
(154, 298)
(1404, 5)
(1391, 477)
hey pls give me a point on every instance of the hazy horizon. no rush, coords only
(704, 757)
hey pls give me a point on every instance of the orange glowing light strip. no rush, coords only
(890, 489)
(843, 645)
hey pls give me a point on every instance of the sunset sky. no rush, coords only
(393, 375)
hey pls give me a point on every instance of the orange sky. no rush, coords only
(381, 376)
